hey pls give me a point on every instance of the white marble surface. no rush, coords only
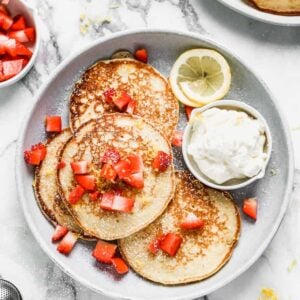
(274, 52)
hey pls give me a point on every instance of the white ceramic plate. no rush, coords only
(272, 191)
(244, 8)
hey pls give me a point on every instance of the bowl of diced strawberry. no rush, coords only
(19, 41)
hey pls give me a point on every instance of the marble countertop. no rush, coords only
(274, 52)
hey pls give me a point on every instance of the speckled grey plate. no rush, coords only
(273, 191)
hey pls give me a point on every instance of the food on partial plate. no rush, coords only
(106, 253)
(130, 165)
(16, 38)
(250, 208)
(281, 7)
(111, 176)
(119, 85)
(141, 55)
(36, 154)
(200, 76)
(177, 138)
(227, 144)
(46, 189)
(68, 242)
(191, 240)
(188, 111)
(53, 124)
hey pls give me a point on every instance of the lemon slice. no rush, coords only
(200, 76)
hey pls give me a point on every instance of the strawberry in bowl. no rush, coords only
(19, 41)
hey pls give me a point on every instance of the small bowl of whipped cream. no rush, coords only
(227, 144)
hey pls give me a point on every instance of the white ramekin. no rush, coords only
(232, 184)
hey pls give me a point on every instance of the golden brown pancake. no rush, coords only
(129, 135)
(155, 100)
(46, 190)
(280, 7)
(203, 251)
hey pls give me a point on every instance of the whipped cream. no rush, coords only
(227, 144)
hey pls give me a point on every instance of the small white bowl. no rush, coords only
(16, 7)
(235, 183)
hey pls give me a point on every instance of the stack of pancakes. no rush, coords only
(166, 197)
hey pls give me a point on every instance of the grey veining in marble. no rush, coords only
(67, 25)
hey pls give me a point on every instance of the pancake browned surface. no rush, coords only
(202, 252)
(155, 100)
(45, 186)
(281, 7)
(128, 134)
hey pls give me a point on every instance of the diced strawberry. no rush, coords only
(12, 67)
(14, 48)
(32, 157)
(80, 167)
(19, 23)
(3, 9)
(123, 168)
(141, 55)
(192, 222)
(59, 233)
(107, 201)
(110, 201)
(131, 106)
(111, 156)
(25, 60)
(36, 154)
(10, 45)
(104, 252)
(22, 50)
(19, 36)
(61, 165)
(188, 111)
(162, 161)
(2, 77)
(30, 33)
(135, 180)
(5, 21)
(88, 182)
(119, 265)
(131, 170)
(2, 50)
(94, 196)
(122, 204)
(108, 172)
(76, 194)
(250, 208)
(177, 138)
(122, 100)
(53, 124)
(154, 246)
(3, 39)
(23, 35)
(109, 94)
(171, 243)
(136, 163)
(40, 148)
(67, 243)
